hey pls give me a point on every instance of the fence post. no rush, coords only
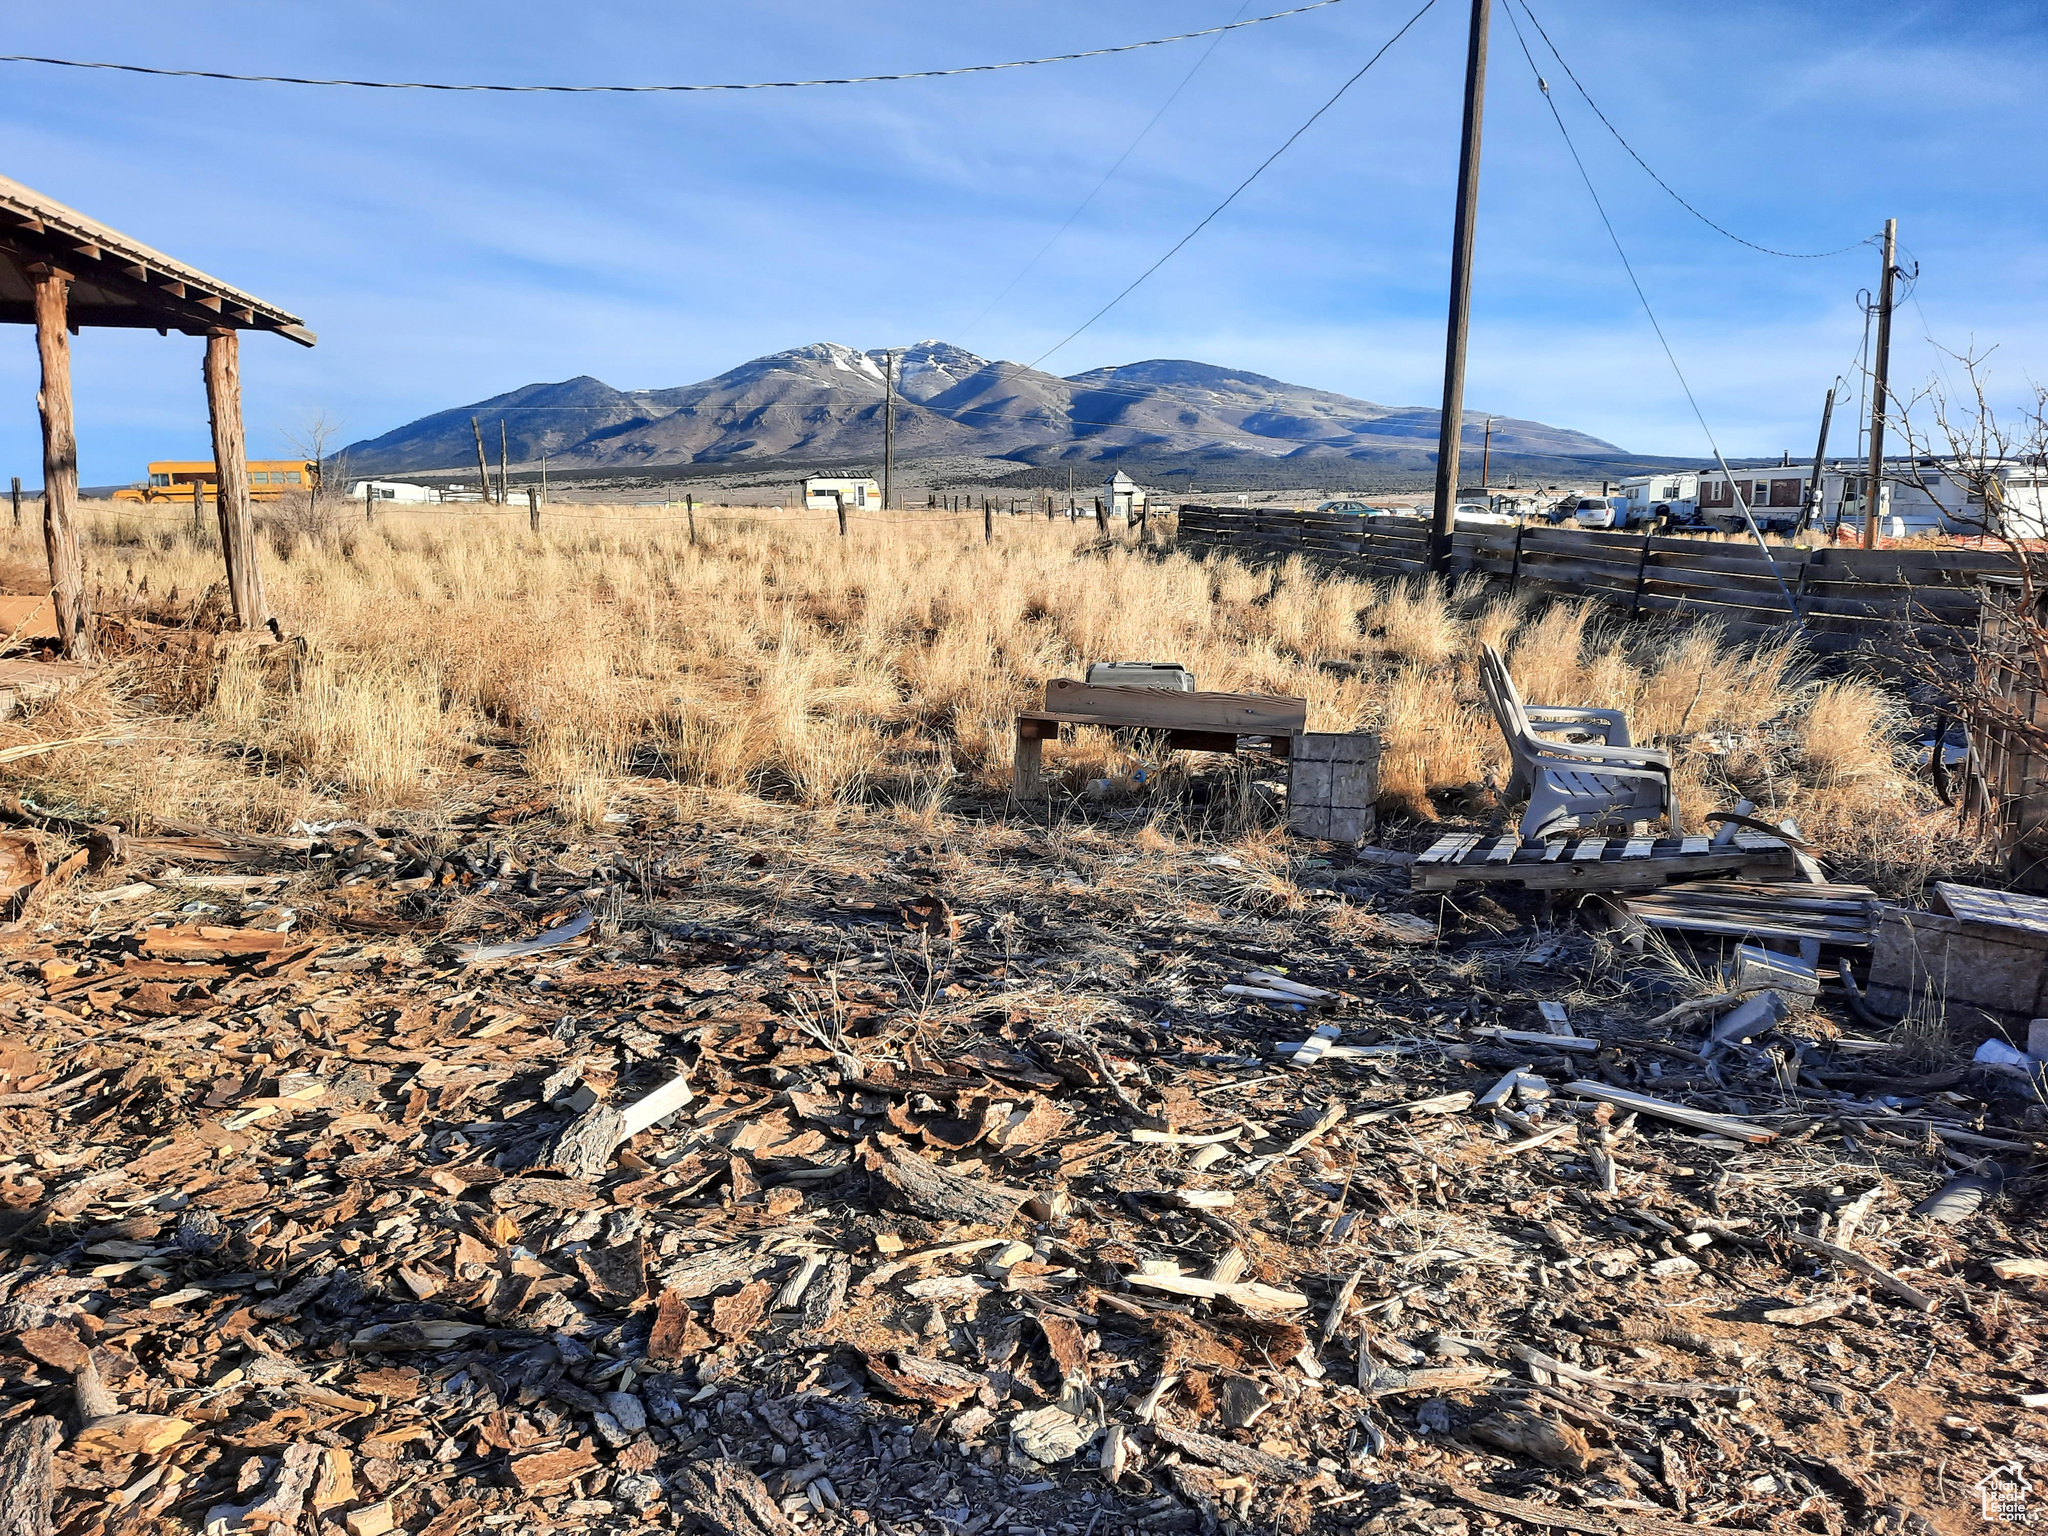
(1515, 570)
(533, 508)
(17, 501)
(988, 522)
(1635, 604)
(198, 508)
(839, 501)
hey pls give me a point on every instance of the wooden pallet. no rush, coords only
(1597, 863)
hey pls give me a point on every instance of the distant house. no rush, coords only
(830, 493)
(390, 490)
(1123, 496)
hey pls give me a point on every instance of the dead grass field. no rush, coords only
(771, 659)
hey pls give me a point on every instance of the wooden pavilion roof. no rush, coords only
(117, 280)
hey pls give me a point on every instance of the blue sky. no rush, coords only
(449, 247)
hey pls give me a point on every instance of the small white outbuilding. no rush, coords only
(390, 490)
(1123, 497)
(829, 493)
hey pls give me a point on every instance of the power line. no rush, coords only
(649, 90)
(1081, 207)
(1639, 160)
(1670, 356)
(1213, 212)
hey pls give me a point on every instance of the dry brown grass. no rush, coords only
(770, 659)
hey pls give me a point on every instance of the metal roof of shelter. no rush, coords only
(117, 280)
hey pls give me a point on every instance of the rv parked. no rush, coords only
(1662, 499)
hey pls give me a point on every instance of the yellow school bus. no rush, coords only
(173, 479)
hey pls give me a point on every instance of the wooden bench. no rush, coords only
(1190, 722)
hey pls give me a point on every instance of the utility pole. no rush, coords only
(504, 457)
(483, 468)
(1871, 498)
(889, 429)
(1486, 456)
(1444, 524)
(543, 474)
(1815, 512)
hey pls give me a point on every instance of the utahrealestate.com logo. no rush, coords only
(2006, 1494)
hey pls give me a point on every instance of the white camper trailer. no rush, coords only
(1669, 497)
(391, 491)
(832, 493)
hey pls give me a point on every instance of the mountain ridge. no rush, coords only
(825, 401)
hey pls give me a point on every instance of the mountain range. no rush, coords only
(822, 406)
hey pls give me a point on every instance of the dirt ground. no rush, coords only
(987, 1209)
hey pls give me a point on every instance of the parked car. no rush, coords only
(1596, 511)
(1480, 512)
(1353, 508)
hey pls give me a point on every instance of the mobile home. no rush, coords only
(1916, 498)
(390, 490)
(831, 493)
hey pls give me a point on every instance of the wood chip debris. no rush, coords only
(523, 1181)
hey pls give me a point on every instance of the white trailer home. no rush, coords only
(1923, 496)
(1917, 498)
(391, 490)
(830, 493)
(1775, 498)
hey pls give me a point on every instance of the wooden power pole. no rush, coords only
(889, 430)
(1815, 512)
(1873, 499)
(1486, 456)
(504, 466)
(483, 468)
(1444, 523)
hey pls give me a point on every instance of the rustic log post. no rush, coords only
(198, 509)
(988, 523)
(483, 470)
(60, 465)
(17, 501)
(231, 478)
(504, 466)
(533, 508)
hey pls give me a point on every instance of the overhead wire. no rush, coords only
(1212, 214)
(1670, 356)
(651, 90)
(1649, 170)
(1095, 191)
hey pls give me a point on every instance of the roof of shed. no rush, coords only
(117, 280)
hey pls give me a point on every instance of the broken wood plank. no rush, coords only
(914, 1184)
(1246, 1293)
(1625, 1384)
(583, 1149)
(1917, 1299)
(1558, 1517)
(1677, 1114)
(1811, 1312)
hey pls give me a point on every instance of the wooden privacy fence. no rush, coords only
(1844, 595)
